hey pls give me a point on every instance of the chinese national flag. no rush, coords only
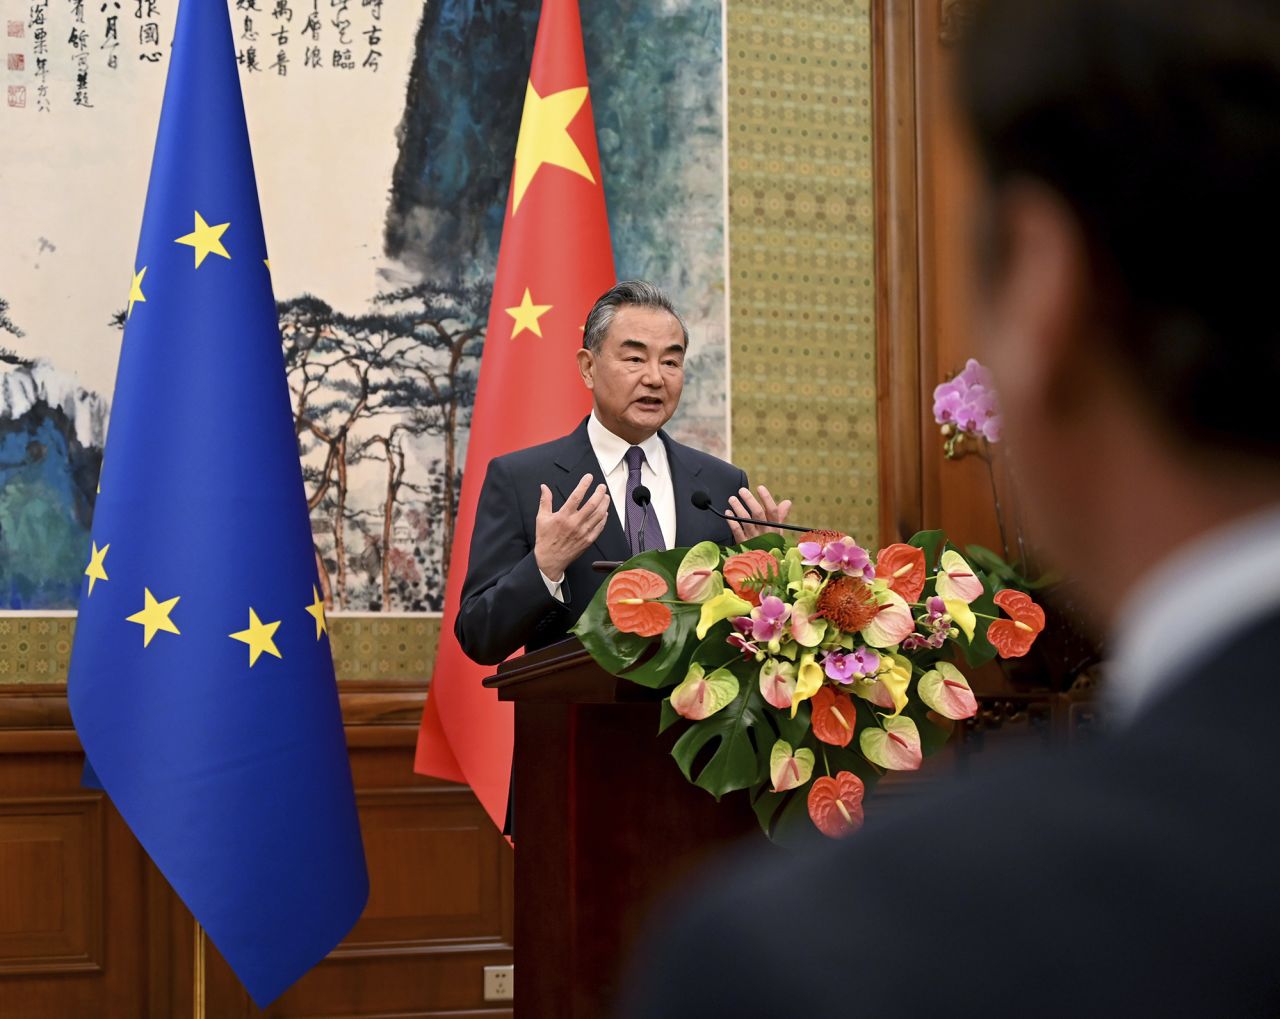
(554, 261)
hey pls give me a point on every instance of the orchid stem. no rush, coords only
(995, 497)
(825, 763)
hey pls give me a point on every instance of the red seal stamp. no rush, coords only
(17, 61)
(16, 29)
(18, 96)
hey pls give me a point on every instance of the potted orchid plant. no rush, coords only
(803, 670)
(967, 411)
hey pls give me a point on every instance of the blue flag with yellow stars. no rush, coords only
(201, 681)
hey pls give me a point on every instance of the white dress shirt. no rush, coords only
(655, 475)
(1199, 595)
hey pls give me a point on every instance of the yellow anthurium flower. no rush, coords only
(895, 674)
(961, 615)
(809, 677)
(725, 605)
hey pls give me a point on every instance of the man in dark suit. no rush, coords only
(1131, 151)
(545, 514)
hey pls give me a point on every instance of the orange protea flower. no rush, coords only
(848, 603)
(629, 605)
(835, 804)
(903, 567)
(834, 717)
(744, 571)
(821, 537)
(1013, 638)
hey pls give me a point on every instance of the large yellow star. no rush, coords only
(526, 315)
(135, 291)
(154, 616)
(316, 608)
(96, 570)
(206, 239)
(258, 637)
(544, 138)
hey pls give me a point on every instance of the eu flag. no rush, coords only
(201, 682)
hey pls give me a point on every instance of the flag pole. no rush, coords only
(198, 1004)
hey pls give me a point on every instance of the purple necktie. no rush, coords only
(639, 520)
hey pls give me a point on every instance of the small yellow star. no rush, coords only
(267, 263)
(526, 315)
(316, 608)
(206, 239)
(154, 616)
(544, 138)
(135, 291)
(96, 570)
(258, 637)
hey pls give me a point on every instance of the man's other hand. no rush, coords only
(745, 504)
(562, 536)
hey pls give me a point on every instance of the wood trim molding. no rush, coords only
(897, 242)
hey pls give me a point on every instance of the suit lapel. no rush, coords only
(575, 459)
(690, 522)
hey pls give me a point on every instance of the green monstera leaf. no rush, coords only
(726, 735)
(650, 661)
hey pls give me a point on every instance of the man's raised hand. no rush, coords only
(563, 535)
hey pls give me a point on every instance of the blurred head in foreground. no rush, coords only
(1130, 152)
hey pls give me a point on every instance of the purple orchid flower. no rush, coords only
(747, 647)
(968, 402)
(838, 666)
(849, 558)
(937, 608)
(810, 552)
(769, 617)
(865, 662)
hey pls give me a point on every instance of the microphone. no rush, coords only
(702, 501)
(642, 498)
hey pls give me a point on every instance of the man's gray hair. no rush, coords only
(629, 294)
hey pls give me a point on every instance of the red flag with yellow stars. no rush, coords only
(554, 261)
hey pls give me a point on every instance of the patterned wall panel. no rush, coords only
(800, 255)
(802, 313)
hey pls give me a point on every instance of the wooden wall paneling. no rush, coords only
(441, 888)
(65, 853)
(89, 927)
(899, 412)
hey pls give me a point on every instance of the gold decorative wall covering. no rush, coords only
(801, 311)
(802, 315)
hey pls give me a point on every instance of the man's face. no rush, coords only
(638, 375)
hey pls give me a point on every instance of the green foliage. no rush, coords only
(733, 763)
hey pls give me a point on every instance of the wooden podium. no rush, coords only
(605, 827)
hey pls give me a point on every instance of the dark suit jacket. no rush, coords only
(1136, 877)
(505, 604)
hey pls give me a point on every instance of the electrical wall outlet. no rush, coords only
(498, 982)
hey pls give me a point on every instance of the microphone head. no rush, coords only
(641, 496)
(701, 500)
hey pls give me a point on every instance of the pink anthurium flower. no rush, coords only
(956, 579)
(700, 695)
(945, 689)
(806, 630)
(777, 682)
(697, 579)
(789, 769)
(896, 746)
(891, 623)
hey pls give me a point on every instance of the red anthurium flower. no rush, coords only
(629, 605)
(834, 717)
(1013, 637)
(903, 567)
(744, 571)
(835, 804)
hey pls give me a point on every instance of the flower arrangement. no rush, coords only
(805, 670)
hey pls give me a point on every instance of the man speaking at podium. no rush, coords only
(615, 486)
